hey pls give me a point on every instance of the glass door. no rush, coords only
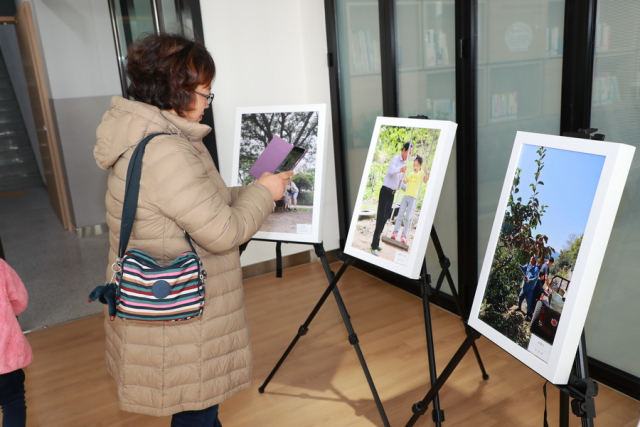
(132, 18)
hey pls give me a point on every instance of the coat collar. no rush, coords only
(127, 122)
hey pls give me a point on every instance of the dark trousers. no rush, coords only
(14, 409)
(527, 292)
(385, 202)
(205, 418)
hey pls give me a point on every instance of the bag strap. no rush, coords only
(131, 192)
(186, 236)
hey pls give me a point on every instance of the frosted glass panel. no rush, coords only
(612, 335)
(135, 20)
(359, 38)
(426, 58)
(175, 16)
(426, 86)
(519, 82)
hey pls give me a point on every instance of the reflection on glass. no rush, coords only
(614, 112)
(175, 17)
(519, 82)
(426, 86)
(359, 39)
(136, 17)
(426, 58)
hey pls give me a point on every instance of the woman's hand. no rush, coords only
(275, 183)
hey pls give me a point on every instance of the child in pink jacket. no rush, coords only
(15, 351)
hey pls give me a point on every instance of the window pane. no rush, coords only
(135, 19)
(426, 86)
(426, 58)
(519, 82)
(612, 335)
(175, 16)
(359, 38)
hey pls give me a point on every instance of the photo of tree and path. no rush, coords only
(299, 128)
(547, 210)
(400, 223)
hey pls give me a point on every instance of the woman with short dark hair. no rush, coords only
(184, 369)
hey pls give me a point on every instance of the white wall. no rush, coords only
(269, 52)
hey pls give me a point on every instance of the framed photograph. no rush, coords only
(557, 207)
(399, 192)
(279, 138)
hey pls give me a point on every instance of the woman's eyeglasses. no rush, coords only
(209, 97)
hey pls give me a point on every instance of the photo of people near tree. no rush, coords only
(295, 213)
(548, 207)
(394, 194)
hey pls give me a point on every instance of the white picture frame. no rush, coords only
(433, 141)
(303, 125)
(580, 186)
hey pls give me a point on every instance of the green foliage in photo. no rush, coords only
(299, 128)
(305, 198)
(517, 243)
(566, 260)
(391, 139)
(304, 181)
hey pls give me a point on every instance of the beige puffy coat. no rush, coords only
(161, 369)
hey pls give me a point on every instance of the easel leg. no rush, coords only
(278, 259)
(485, 376)
(437, 382)
(353, 338)
(564, 409)
(437, 413)
(445, 273)
(581, 388)
(305, 327)
(421, 407)
(582, 371)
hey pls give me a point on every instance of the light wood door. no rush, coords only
(52, 161)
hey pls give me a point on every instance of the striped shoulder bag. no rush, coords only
(145, 290)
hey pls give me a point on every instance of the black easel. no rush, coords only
(420, 408)
(303, 329)
(581, 388)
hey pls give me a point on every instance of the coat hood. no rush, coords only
(128, 122)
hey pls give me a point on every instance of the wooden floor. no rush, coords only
(321, 383)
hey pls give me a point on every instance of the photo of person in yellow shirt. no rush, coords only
(408, 204)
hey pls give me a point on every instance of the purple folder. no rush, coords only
(272, 156)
